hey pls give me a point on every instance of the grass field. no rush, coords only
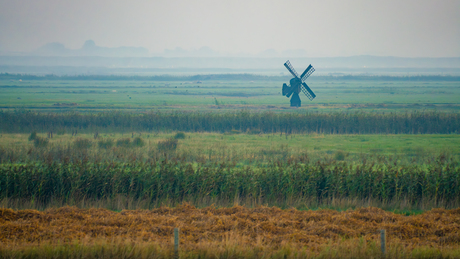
(332, 95)
(243, 148)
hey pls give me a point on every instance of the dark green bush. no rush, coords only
(179, 135)
(33, 136)
(40, 142)
(138, 142)
(339, 156)
(167, 145)
(124, 142)
(105, 143)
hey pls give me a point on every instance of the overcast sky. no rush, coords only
(405, 28)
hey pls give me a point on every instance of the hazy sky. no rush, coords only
(406, 28)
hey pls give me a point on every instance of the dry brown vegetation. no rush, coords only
(267, 227)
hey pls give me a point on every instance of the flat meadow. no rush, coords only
(241, 147)
(227, 92)
(108, 166)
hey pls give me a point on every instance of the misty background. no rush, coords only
(177, 36)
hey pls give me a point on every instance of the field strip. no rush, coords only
(271, 227)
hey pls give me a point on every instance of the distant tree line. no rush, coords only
(246, 77)
(243, 121)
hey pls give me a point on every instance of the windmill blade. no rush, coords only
(307, 73)
(307, 91)
(291, 69)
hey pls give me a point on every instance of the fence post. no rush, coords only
(176, 243)
(383, 241)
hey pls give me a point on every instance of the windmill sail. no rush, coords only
(307, 91)
(307, 73)
(291, 69)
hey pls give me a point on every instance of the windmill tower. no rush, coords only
(297, 84)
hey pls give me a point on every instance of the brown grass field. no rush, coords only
(264, 228)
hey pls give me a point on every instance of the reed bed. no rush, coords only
(244, 121)
(279, 183)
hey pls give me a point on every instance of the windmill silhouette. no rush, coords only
(298, 84)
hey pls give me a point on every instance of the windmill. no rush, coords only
(298, 84)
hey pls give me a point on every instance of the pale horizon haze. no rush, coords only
(403, 28)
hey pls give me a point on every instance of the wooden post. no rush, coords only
(383, 241)
(176, 243)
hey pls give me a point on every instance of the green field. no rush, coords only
(143, 94)
(215, 147)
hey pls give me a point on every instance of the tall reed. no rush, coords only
(436, 184)
(261, 122)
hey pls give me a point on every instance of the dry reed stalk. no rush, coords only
(263, 226)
